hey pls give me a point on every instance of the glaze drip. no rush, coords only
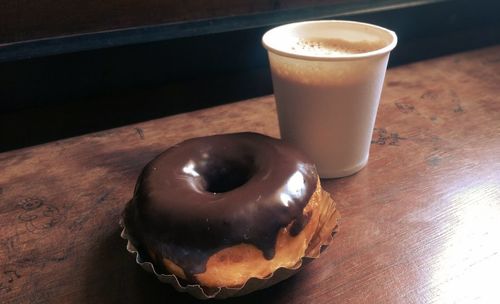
(206, 194)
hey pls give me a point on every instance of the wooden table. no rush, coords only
(421, 223)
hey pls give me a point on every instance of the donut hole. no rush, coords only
(226, 175)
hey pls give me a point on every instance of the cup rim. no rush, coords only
(339, 57)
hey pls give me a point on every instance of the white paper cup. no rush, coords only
(327, 79)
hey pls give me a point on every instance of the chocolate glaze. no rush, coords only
(206, 194)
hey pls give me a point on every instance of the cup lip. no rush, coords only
(339, 57)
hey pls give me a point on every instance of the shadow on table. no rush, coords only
(112, 276)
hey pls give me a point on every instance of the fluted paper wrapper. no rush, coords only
(327, 227)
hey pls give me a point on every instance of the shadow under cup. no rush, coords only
(327, 79)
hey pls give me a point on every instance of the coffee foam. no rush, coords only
(333, 46)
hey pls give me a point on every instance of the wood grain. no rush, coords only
(421, 223)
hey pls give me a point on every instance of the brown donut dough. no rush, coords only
(233, 266)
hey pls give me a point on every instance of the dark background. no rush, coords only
(59, 86)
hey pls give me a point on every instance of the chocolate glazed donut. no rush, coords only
(210, 193)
